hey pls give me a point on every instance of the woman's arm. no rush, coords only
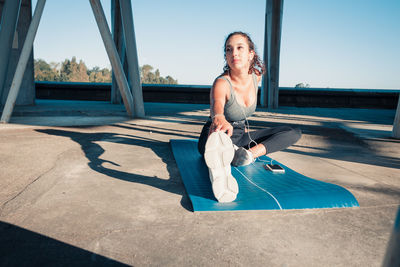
(218, 98)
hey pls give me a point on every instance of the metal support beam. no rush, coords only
(132, 57)
(113, 55)
(8, 25)
(396, 123)
(272, 43)
(23, 60)
(118, 36)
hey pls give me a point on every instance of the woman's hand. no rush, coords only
(219, 123)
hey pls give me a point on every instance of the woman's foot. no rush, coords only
(242, 157)
(218, 155)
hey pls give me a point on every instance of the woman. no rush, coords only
(225, 138)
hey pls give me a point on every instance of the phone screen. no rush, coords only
(275, 168)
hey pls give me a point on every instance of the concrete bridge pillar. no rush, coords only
(272, 44)
(396, 123)
(26, 95)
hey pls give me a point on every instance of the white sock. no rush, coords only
(242, 157)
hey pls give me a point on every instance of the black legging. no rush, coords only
(274, 139)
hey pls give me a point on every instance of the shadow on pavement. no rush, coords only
(341, 145)
(21, 247)
(382, 189)
(93, 152)
(379, 116)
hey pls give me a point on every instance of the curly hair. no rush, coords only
(256, 65)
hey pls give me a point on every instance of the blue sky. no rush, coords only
(325, 43)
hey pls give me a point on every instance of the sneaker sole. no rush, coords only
(218, 156)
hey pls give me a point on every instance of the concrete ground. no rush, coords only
(81, 184)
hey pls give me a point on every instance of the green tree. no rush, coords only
(65, 71)
(147, 76)
(72, 71)
(43, 71)
(302, 85)
(145, 73)
(97, 75)
(171, 80)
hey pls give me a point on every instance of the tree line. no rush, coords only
(73, 71)
(302, 85)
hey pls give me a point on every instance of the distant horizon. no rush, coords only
(323, 44)
(310, 87)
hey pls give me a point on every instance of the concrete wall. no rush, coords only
(333, 97)
(198, 94)
(26, 95)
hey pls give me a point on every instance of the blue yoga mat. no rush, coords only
(259, 189)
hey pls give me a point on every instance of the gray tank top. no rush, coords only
(233, 110)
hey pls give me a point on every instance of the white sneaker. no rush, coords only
(218, 155)
(242, 157)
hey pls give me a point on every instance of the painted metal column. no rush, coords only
(396, 123)
(272, 43)
(8, 25)
(118, 37)
(132, 56)
(113, 55)
(23, 60)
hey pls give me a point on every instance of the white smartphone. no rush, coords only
(275, 168)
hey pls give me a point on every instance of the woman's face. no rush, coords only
(238, 55)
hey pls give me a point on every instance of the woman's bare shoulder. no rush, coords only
(220, 86)
(221, 81)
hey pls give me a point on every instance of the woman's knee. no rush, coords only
(292, 131)
(291, 134)
(296, 134)
(203, 138)
(201, 146)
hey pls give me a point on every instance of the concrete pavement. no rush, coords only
(82, 184)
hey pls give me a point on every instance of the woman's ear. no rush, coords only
(251, 55)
